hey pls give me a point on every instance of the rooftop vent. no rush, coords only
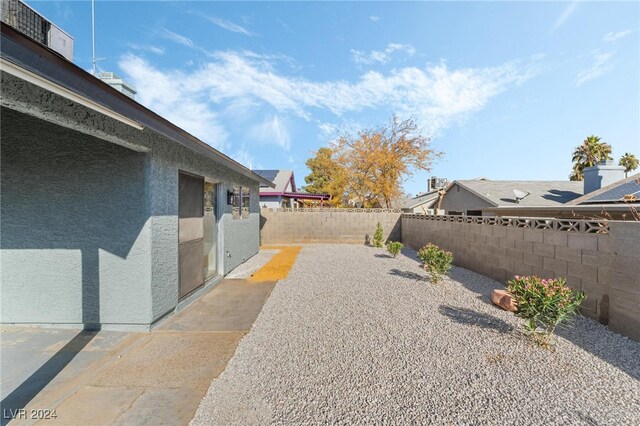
(117, 83)
(26, 20)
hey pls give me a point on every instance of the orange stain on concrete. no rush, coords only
(279, 266)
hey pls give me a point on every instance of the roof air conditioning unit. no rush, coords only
(26, 20)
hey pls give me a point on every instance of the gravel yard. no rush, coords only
(355, 337)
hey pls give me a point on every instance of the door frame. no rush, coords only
(218, 213)
(180, 277)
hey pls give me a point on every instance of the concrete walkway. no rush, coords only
(129, 378)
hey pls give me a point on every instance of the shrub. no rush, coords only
(437, 262)
(377, 236)
(543, 304)
(394, 247)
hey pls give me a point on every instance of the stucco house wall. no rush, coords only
(75, 232)
(89, 214)
(459, 199)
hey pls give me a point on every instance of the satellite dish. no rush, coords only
(520, 195)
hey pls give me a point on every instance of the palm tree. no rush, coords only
(577, 173)
(629, 162)
(592, 151)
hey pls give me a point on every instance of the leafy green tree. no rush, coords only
(592, 151)
(629, 162)
(377, 236)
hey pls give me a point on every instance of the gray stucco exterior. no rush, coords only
(89, 205)
(459, 199)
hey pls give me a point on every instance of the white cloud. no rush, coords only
(229, 26)
(565, 15)
(328, 130)
(167, 95)
(244, 157)
(272, 130)
(435, 95)
(611, 37)
(381, 56)
(147, 48)
(601, 65)
(177, 38)
(374, 18)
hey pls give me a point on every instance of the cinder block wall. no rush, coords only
(351, 226)
(606, 266)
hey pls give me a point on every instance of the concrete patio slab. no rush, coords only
(171, 359)
(109, 377)
(233, 305)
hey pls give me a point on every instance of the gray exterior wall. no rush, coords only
(459, 199)
(89, 205)
(75, 231)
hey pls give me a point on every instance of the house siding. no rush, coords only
(69, 189)
(462, 200)
(75, 231)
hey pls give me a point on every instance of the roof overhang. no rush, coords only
(474, 192)
(45, 67)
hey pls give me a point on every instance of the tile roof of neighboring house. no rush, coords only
(541, 193)
(613, 193)
(412, 203)
(280, 178)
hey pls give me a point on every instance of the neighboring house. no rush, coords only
(111, 216)
(422, 203)
(480, 197)
(284, 192)
(619, 200)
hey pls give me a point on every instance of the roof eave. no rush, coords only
(488, 200)
(48, 64)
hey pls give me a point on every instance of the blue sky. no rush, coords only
(505, 89)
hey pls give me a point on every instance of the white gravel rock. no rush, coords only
(355, 337)
(248, 268)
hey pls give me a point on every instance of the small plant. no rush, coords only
(437, 262)
(543, 304)
(394, 247)
(377, 236)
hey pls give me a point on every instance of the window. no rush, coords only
(241, 202)
(246, 202)
(237, 190)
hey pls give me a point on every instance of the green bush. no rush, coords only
(394, 247)
(437, 262)
(543, 304)
(377, 236)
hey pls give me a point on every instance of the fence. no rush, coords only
(323, 225)
(602, 258)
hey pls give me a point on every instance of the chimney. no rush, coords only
(602, 174)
